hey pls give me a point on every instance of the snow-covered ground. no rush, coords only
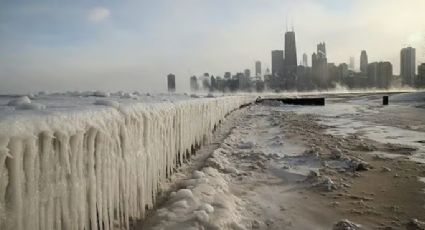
(273, 169)
(95, 161)
(400, 123)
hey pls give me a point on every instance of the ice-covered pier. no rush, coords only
(85, 162)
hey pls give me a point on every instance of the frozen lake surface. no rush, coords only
(365, 116)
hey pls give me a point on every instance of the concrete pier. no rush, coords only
(318, 101)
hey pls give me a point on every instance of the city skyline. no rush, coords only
(111, 46)
(286, 74)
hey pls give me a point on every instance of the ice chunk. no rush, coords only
(128, 96)
(30, 106)
(246, 145)
(184, 194)
(197, 175)
(101, 94)
(202, 216)
(19, 101)
(237, 226)
(207, 207)
(346, 225)
(181, 204)
(110, 103)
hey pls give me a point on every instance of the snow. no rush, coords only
(75, 165)
(210, 204)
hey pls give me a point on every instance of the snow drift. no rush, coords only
(97, 168)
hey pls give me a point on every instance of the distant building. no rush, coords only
(363, 62)
(258, 68)
(244, 81)
(227, 75)
(352, 65)
(408, 66)
(171, 80)
(319, 67)
(372, 75)
(194, 86)
(333, 72)
(247, 73)
(305, 60)
(421, 76)
(379, 75)
(290, 49)
(277, 62)
(343, 72)
(385, 75)
(321, 50)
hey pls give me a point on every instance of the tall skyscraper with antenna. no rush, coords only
(290, 49)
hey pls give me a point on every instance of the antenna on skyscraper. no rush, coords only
(286, 22)
(292, 25)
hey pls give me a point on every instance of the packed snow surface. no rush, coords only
(94, 160)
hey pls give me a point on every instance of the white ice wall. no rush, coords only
(97, 169)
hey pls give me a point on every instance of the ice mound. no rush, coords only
(110, 103)
(128, 96)
(19, 101)
(209, 204)
(181, 204)
(197, 175)
(208, 208)
(101, 94)
(246, 145)
(346, 225)
(184, 194)
(221, 163)
(30, 106)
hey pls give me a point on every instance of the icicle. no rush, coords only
(100, 171)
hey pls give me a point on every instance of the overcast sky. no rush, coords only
(132, 45)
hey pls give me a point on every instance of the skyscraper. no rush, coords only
(194, 86)
(258, 68)
(351, 66)
(363, 62)
(321, 50)
(247, 73)
(372, 74)
(277, 61)
(421, 76)
(408, 66)
(385, 70)
(380, 74)
(305, 60)
(171, 81)
(290, 49)
(320, 66)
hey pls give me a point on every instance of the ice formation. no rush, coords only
(19, 101)
(98, 168)
(108, 103)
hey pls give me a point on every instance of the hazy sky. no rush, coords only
(132, 45)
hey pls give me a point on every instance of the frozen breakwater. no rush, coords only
(96, 167)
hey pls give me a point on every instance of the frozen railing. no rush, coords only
(97, 169)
